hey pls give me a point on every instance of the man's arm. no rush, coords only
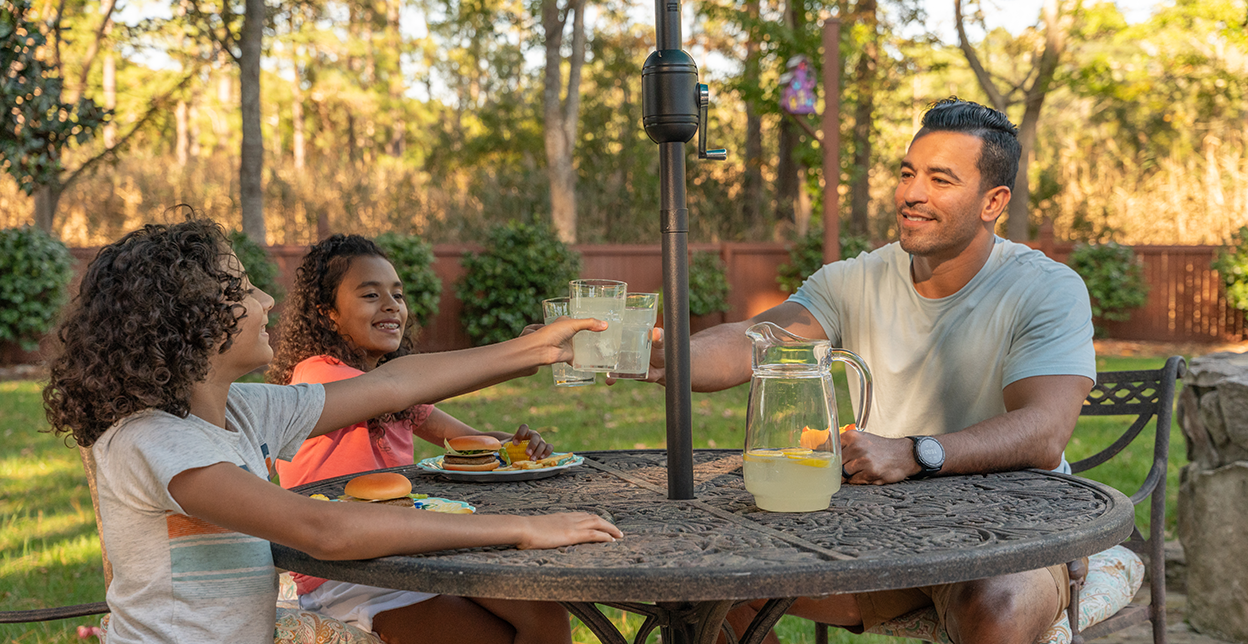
(720, 355)
(1040, 416)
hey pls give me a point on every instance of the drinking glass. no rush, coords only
(565, 375)
(602, 300)
(640, 312)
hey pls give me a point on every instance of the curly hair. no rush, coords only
(151, 310)
(306, 330)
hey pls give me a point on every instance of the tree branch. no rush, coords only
(573, 106)
(157, 105)
(227, 42)
(985, 80)
(106, 10)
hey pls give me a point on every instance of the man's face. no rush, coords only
(939, 201)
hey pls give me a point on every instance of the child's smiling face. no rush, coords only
(250, 348)
(369, 309)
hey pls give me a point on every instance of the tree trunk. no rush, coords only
(46, 198)
(864, 113)
(1056, 25)
(251, 166)
(752, 182)
(560, 114)
(110, 97)
(786, 176)
(296, 121)
(394, 38)
(182, 144)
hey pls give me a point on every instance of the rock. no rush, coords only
(1213, 528)
(1209, 370)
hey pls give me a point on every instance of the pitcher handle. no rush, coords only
(864, 381)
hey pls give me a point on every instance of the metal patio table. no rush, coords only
(684, 563)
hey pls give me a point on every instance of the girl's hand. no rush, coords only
(538, 448)
(558, 334)
(554, 530)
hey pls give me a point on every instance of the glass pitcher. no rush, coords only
(792, 458)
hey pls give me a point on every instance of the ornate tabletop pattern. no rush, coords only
(719, 546)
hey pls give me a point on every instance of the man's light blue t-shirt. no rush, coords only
(940, 365)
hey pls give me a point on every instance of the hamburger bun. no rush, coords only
(475, 443)
(380, 486)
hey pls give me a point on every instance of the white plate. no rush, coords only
(434, 464)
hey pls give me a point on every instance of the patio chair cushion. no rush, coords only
(307, 627)
(296, 626)
(1114, 576)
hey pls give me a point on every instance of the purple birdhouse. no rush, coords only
(797, 87)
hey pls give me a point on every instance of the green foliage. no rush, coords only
(806, 257)
(38, 127)
(261, 270)
(1114, 279)
(1232, 264)
(35, 270)
(413, 260)
(708, 284)
(503, 287)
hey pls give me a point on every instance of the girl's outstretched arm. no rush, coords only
(227, 496)
(430, 377)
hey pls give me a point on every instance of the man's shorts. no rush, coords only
(881, 606)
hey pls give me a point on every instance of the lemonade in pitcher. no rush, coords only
(792, 479)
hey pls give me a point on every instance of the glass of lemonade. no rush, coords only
(603, 300)
(565, 375)
(640, 312)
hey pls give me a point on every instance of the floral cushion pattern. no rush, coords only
(307, 627)
(1114, 576)
(298, 627)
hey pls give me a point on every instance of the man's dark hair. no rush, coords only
(998, 158)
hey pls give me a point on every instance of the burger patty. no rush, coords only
(469, 460)
(403, 501)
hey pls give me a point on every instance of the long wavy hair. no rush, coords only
(151, 310)
(306, 330)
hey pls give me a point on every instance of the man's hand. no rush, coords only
(875, 460)
(657, 359)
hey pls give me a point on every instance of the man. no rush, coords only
(980, 351)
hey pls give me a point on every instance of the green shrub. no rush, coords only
(1114, 279)
(261, 270)
(708, 284)
(1232, 264)
(502, 288)
(413, 260)
(35, 270)
(806, 257)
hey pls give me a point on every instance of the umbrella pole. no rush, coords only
(670, 105)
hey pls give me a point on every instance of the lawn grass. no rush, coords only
(50, 556)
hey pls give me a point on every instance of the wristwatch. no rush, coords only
(929, 454)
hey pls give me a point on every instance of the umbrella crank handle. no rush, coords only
(704, 101)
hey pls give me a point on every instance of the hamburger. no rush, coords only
(389, 488)
(475, 453)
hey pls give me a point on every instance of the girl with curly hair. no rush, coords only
(164, 322)
(346, 316)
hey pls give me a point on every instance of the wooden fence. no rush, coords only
(1186, 301)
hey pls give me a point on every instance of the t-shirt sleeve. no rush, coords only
(1053, 335)
(818, 295)
(147, 453)
(322, 369)
(283, 415)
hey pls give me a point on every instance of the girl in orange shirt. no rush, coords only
(345, 316)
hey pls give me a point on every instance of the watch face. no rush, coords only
(930, 452)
